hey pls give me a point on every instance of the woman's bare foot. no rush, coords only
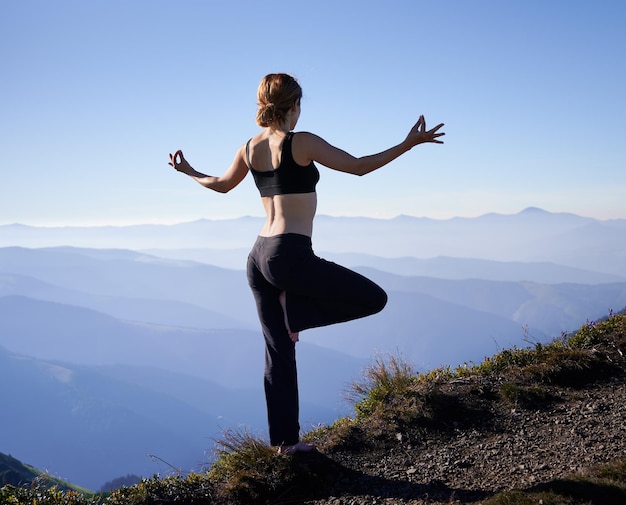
(293, 335)
(292, 449)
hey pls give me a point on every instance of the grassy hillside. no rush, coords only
(543, 424)
(15, 474)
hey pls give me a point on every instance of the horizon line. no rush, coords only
(111, 224)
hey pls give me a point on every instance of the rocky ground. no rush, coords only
(481, 444)
(514, 449)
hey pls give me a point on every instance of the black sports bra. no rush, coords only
(288, 178)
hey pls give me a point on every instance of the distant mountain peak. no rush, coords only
(534, 210)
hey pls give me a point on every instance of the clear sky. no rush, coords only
(95, 94)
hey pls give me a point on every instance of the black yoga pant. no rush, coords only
(318, 293)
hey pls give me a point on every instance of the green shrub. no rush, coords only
(525, 396)
(39, 495)
(248, 468)
(387, 381)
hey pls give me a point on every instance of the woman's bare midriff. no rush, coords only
(289, 214)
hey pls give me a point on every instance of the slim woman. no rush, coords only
(295, 290)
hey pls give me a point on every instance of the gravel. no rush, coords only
(506, 448)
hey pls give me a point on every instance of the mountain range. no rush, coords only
(125, 342)
(532, 235)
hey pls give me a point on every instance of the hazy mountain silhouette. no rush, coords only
(188, 296)
(89, 424)
(82, 427)
(127, 274)
(441, 267)
(531, 235)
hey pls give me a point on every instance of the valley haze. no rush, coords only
(125, 342)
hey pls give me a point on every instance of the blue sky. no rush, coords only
(95, 94)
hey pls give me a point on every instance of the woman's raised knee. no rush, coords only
(378, 300)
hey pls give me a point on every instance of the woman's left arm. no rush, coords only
(317, 149)
(233, 175)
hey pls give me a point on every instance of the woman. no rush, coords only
(295, 290)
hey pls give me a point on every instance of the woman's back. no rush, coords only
(287, 188)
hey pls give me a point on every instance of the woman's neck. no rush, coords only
(281, 129)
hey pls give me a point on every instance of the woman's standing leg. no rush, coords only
(280, 381)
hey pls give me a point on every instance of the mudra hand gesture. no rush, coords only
(178, 161)
(420, 135)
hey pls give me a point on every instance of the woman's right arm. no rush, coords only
(233, 175)
(317, 149)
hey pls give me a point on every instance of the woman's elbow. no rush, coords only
(221, 189)
(219, 186)
(361, 171)
(357, 167)
(363, 166)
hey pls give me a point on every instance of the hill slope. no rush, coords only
(14, 472)
(524, 419)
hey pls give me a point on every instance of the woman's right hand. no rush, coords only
(178, 161)
(419, 134)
